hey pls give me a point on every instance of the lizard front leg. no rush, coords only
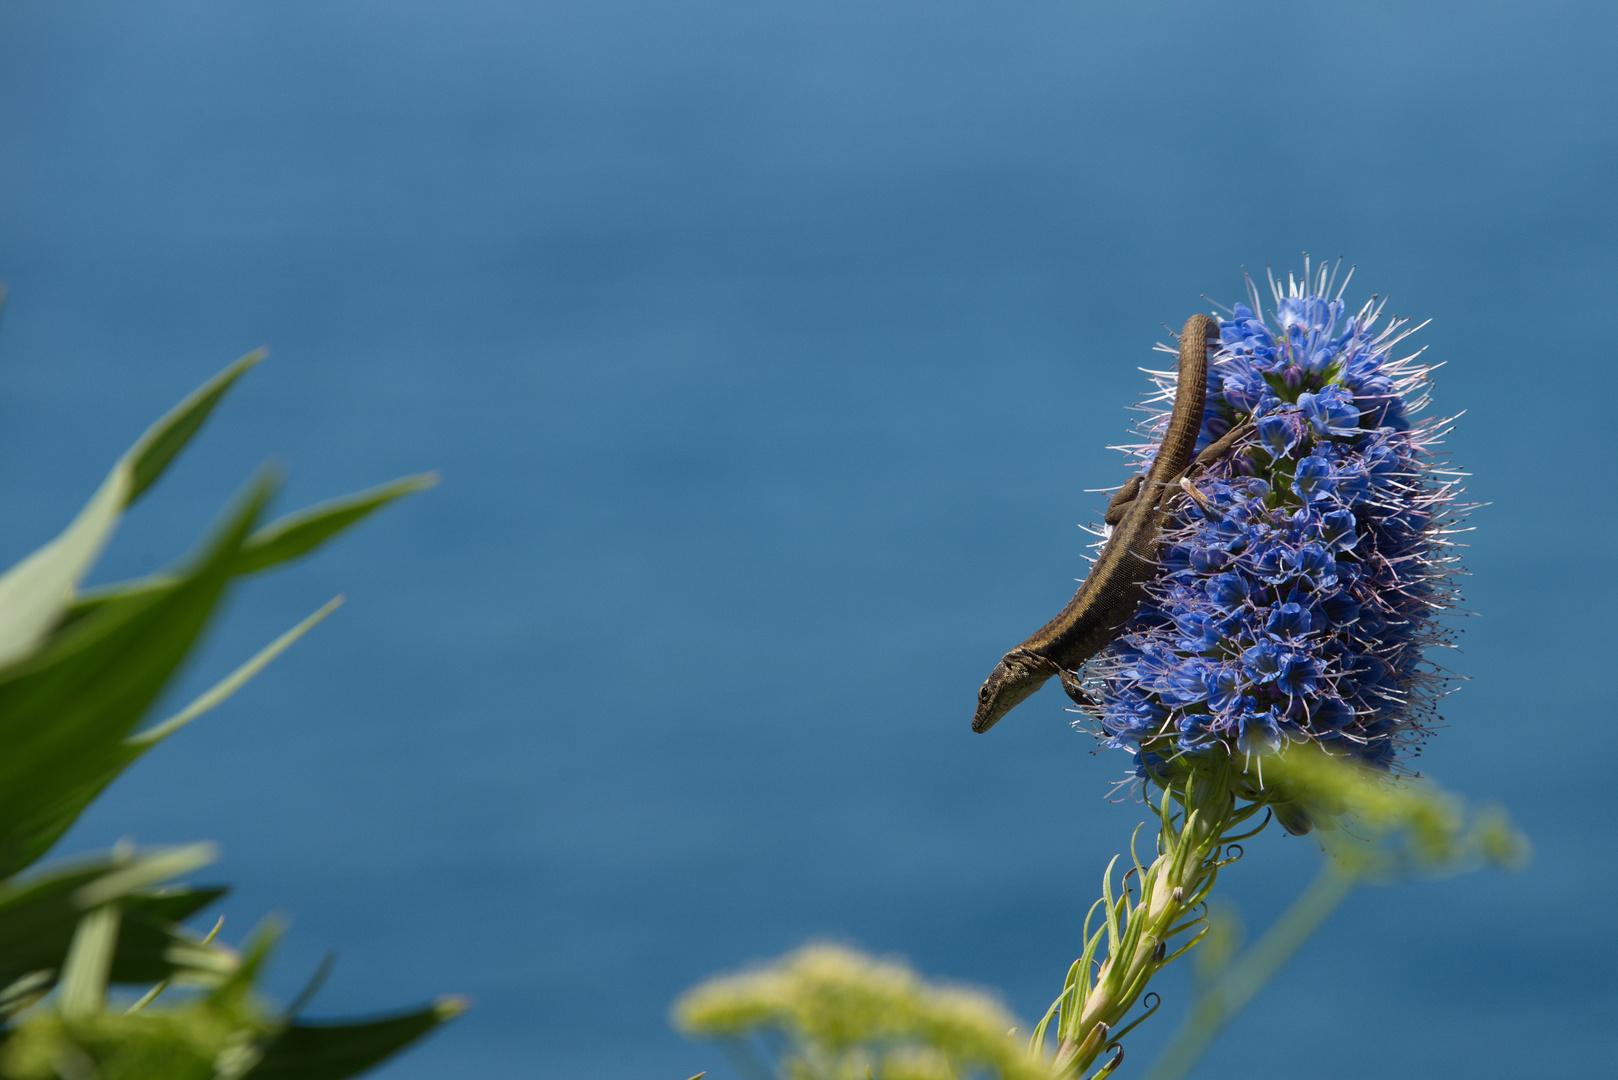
(1120, 503)
(1220, 446)
(1075, 690)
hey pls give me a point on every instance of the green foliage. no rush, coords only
(79, 675)
(1148, 922)
(849, 1017)
(844, 1016)
(1374, 829)
(1378, 827)
(39, 917)
(333, 1051)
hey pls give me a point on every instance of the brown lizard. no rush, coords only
(1116, 583)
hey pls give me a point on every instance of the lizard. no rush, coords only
(1113, 589)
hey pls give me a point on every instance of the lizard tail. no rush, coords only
(1190, 398)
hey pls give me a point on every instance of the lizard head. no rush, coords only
(1014, 679)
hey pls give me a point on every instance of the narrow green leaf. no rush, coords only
(172, 905)
(24, 992)
(279, 541)
(147, 998)
(134, 591)
(162, 441)
(1110, 910)
(256, 952)
(306, 1051)
(89, 961)
(151, 951)
(63, 811)
(296, 534)
(153, 866)
(232, 682)
(201, 965)
(35, 592)
(312, 987)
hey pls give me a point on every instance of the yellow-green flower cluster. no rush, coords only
(848, 1016)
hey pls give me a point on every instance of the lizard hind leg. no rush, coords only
(1119, 506)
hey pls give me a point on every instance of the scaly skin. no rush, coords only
(1116, 583)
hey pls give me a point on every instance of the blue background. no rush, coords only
(767, 350)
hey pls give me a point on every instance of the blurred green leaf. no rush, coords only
(152, 866)
(67, 713)
(227, 686)
(64, 713)
(39, 917)
(85, 671)
(174, 904)
(91, 601)
(37, 591)
(163, 441)
(22, 993)
(305, 1051)
(280, 541)
(78, 673)
(143, 628)
(296, 534)
(89, 962)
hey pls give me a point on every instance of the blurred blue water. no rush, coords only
(767, 350)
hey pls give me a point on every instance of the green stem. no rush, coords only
(1233, 990)
(1197, 811)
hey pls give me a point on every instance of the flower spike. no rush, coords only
(1304, 577)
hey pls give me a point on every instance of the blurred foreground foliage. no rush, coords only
(846, 1016)
(830, 1013)
(79, 674)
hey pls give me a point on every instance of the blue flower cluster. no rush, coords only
(1302, 589)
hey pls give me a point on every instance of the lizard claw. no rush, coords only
(1075, 690)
